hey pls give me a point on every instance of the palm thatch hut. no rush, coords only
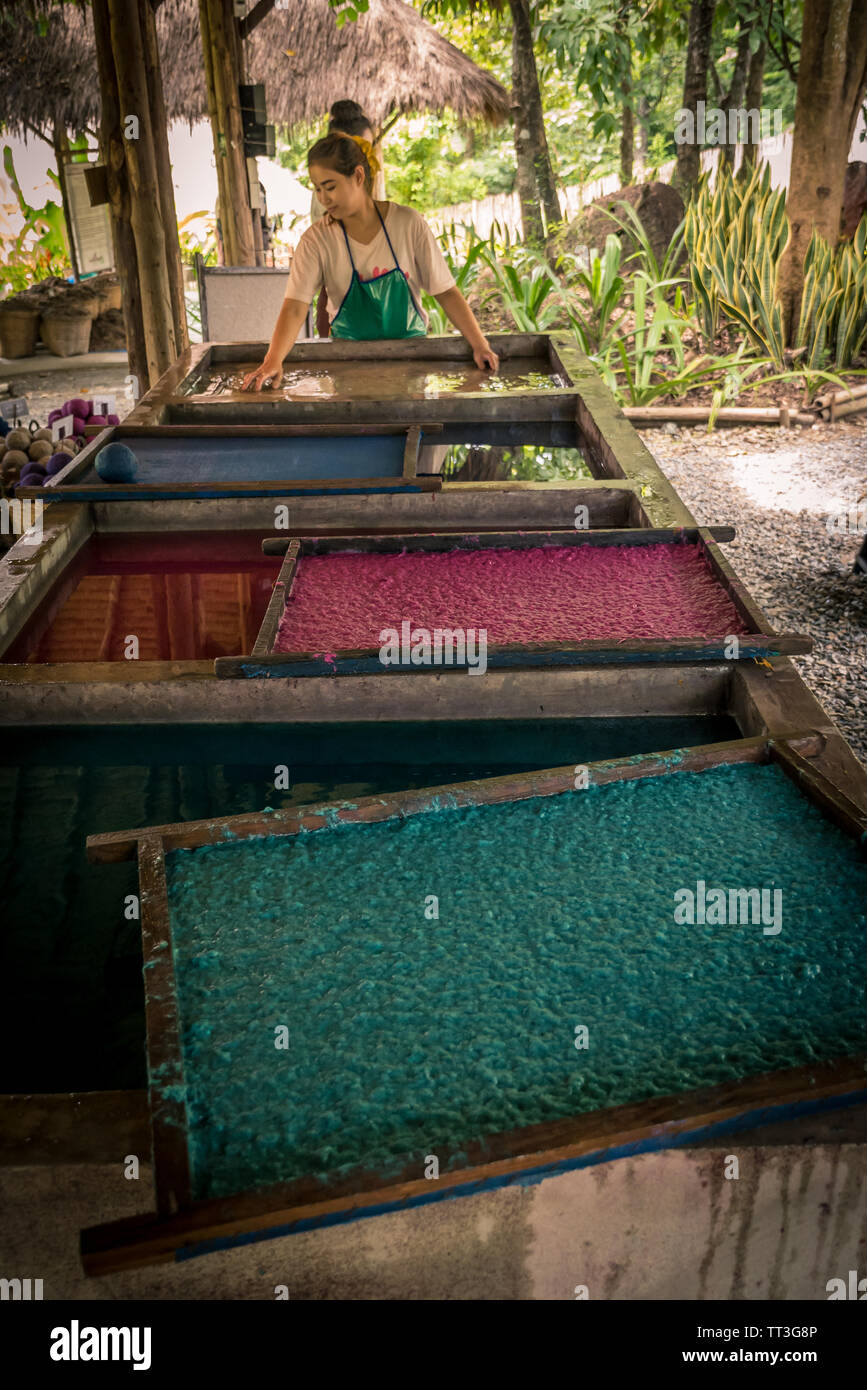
(390, 60)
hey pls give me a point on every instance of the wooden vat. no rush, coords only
(329, 657)
(185, 1225)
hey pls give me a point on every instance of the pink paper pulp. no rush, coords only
(550, 594)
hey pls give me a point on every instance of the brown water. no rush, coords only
(377, 380)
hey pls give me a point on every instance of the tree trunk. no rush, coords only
(113, 157)
(627, 124)
(735, 97)
(755, 87)
(832, 76)
(222, 75)
(159, 126)
(627, 140)
(528, 192)
(532, 114)
(641, 140)
(701, 13)
(61, 152)
(127, 24)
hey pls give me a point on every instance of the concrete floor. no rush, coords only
(660, 1226)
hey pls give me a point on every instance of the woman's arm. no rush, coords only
(465, 321)
(289, 323)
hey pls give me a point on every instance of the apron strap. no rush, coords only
(387, 237)
(349, 253)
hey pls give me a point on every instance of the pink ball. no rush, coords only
(98, 420)
(54, 415)
(113, 419)
(77, 425)
(79, 407)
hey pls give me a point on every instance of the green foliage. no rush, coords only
(735, 234)
(192, 242)
(833, 316)
(40, 249)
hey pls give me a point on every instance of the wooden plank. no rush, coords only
(114, 846)
(511, 656)
(162, 1017)
(740, 596)
(410, 453)
(820, 789)
(113, 672)
(380, 542)
(92, 492)
(274, 612)
(263, 431)
(564, 694)
(444, 347)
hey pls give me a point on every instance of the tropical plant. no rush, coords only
(833, 314)
(39, 249)
(735, 233)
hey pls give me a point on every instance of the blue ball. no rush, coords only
(115, 463)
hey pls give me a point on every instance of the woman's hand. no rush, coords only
(269, 370)
(485, 356)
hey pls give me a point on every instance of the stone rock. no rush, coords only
(658, 205)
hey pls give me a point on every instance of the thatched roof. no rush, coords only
(389, 60)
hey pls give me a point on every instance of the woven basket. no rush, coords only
(88, 300)
(19, 329)
(66, 331)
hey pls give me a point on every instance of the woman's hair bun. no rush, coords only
(348, 116)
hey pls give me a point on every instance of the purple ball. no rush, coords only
(33, 467)
(54, 415)
(78, 406)
(30, 480)
(98, 420)
(113, 419)
(56, 462)
(77, 425)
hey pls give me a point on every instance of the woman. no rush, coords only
(348, 117)
(375, 258)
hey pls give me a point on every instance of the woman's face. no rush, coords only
(340, 194)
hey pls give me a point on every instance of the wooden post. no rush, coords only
(61, 150)
(220, 47)
(126, 18)
(112, 153)
(160, 130)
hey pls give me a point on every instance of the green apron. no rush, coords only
(380, 308)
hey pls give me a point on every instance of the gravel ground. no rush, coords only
(778, 487)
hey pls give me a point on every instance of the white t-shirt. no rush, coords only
(321, 257)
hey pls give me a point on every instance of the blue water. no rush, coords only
(409, 1035)
(68, 953)
(261, 459)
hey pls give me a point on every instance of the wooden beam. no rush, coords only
(222, 77)
(128, 51)
(113, 157)
(259, 12)
(114, 847)
(168, 211)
